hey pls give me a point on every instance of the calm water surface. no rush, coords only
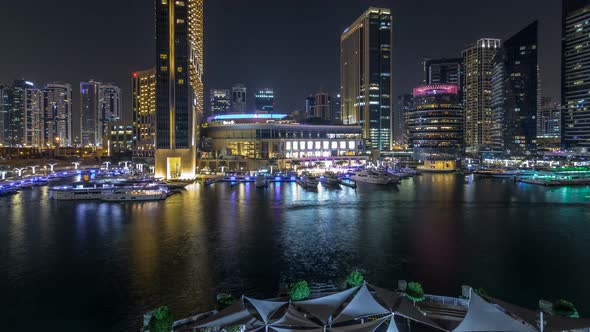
(99, 266)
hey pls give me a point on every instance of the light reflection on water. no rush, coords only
(110, 262)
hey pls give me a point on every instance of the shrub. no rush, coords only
(415, 292)
(481, 292)
(355, 278)
(299, 291)
(224, 300)
(162, 320)
(565, 308)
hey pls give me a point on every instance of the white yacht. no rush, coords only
(135, 195)
(308, 181)
(261, 181)
(81, 191)
(330, 179)
(390, 177)
(368, 177)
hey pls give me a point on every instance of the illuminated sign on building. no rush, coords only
(435, 89)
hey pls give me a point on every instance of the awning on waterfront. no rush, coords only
(322, 308)
(483, 316)
(390, 298)
(392, 327)
(265, 308)
(366, 327)
(235, 314)
(362, 305)
(553, 323)
(294, 318)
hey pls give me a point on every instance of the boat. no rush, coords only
(330, 179)
(308, 181)
(261, 181)
(135, 195)
(368, 177)
(84, 191)
(384, 174)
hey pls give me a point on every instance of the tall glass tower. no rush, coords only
(575, 73)
(179, 86)
(365, 73)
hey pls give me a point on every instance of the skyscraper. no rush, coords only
(265, 100)
(179, 86)
(575, 73)
(3, 115)
(57, 114)
(32, 114)
(365, 73)
(238, 98)
(515, 93)
(404, 104)
(479, 62)
(14, 113)
(144, 113)
(100, 105)
(549, 124)
(220, 102)
(443, 71)
(320, 106)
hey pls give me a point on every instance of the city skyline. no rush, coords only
(316, 69)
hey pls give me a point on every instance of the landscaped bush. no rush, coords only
(224, 300)
(355, 278)
(162, 320)
(299, 291)
(415, 292)
(565, 308)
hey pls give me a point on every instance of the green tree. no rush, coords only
(162, 320)
(355, 278)
(299, 291)
(415, 292)
(224, 300)
(481, 292)
(565, 308)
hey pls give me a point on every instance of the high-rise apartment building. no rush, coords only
(549, 120)
(319, 105)
(220, 101)
(515, 93)
(444, 71)
(179, 86)
(100, 105)
(404, 104)
(478, 60)
(365, 73)
(57, 114)
(265, 100)
(3, 114)
(109, 107)
(575, 73)
(336, 108)
(144, 113)
(14, 121)
(32, 114)
(239, 98)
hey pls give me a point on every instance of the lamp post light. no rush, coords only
(3, 174)
(152, 169)
(76, 164)
(33, 168)
(51, 166)
(45, 169)
(107, 163)
(19, 171)
(126, 164)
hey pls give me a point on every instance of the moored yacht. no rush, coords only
(135, 195)
(308, 181)
(330, 179)
(369, 177)
(261, 181)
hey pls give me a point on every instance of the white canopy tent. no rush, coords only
(323, 308)
(362, 305)
(294, 318)
(265, 308)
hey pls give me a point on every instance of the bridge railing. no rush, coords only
(447, 300)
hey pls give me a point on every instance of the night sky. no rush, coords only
(289, 45)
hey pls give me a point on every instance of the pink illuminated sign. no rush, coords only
(435, 89)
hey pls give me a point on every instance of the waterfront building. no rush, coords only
(27, 105)
(264, 100)
(144, 113)
(239, 98)
(549, 125)
(478, 60)
(220, 102)
(435, 126)
(109, 106)
(404, 104)
(319, 106)
(13, 100)
(89, 123)
(119, 138)
(444, 71)
(365, 73)
(575, 74)
(516, 93)
(179, 86)
(267, 136)
(57, 114)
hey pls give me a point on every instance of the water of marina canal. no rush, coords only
(72, 266)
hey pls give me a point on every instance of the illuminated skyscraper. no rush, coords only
(31, 112)
(100, 105)
(238, 98)
(444, 71)
(405, 103)
(109, 107)
(575, 73)
(265, 100)
(365, 73)
(479, 62)
(3, 115)
(220, 102)
(144, 113)
(57, 114)
(179, 85)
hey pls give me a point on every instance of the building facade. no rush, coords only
(144, 113)
(320, 106)
(404, 104)
(100, 105)
(119, 139)
(444, 71)
(32, 115)
(265, 100)
(516, 93)
(239, 98)
(549, 124)
(435, 126)
(109, 106)
(4, 115)
(575, 74)
(365, 67)
(179, 86)
(478, 60)
(57, 114)
(220, 101)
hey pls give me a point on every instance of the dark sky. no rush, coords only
(290, 45)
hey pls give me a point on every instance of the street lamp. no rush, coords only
(51, 167)
(107, 163)
(19, 171)
(3, 174)
(76, 164)
(126, 164)
(33, 168)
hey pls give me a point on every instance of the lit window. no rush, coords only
(180, 3)
(288, 146)
(180, 81)
(179, 21)
(180, 69)
(164, 68)
(164, 56)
